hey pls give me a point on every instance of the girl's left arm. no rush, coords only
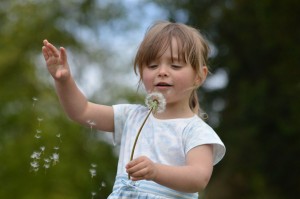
(191, 178)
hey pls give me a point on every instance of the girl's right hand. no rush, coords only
(56, 61)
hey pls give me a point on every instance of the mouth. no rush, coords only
(163, 85)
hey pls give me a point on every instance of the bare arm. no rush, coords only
(75, 104)
(192, 177)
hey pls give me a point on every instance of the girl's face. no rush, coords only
(174, 79)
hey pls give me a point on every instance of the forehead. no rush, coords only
(172, 46)
(172, 50)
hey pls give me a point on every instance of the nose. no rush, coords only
(163, 71)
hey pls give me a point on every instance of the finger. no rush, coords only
(45, 53)
(144, 174)
(63, 55)
(132, 165)
(138, 173)
(46, 48)
(45, 41)
(137, 170)
(136, 161)
(52, 50)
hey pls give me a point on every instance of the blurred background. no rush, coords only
(251, 96)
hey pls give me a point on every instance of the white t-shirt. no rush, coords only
(163, 141)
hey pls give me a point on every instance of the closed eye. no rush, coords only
(176, 67)
(152, 66)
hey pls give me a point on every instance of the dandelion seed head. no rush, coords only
(156, 101)
(37, 136)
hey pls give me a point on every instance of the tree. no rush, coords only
(256, 44)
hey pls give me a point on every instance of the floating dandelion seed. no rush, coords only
(56, 148)
(59, 137)
(156, 103)
(93, 194)
(42, 148)
(38, 131)
(38, 134)
(91, 123)
(93, 172)
(34, 165)
(102, 185)
(35, 155)
(39, 119)
(55, 158)
(34, 99)
(46, 166)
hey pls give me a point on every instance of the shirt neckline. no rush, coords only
(173, 119)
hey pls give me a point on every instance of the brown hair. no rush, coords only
(192, 48)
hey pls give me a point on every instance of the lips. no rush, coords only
(163, 84)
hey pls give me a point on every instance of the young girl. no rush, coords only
(176, 150)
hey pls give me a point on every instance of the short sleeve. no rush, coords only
(119, 121)
(121, 113)
(199, 133)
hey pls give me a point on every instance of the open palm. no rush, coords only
(56, 61)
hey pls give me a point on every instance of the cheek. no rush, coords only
(147, 81)
(185, 82)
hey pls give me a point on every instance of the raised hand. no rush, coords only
(141, 168)
(56, 61)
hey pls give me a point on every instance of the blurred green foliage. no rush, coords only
(29, 107)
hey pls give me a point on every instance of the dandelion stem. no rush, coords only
(137, 136)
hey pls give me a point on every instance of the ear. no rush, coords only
(200, 79)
